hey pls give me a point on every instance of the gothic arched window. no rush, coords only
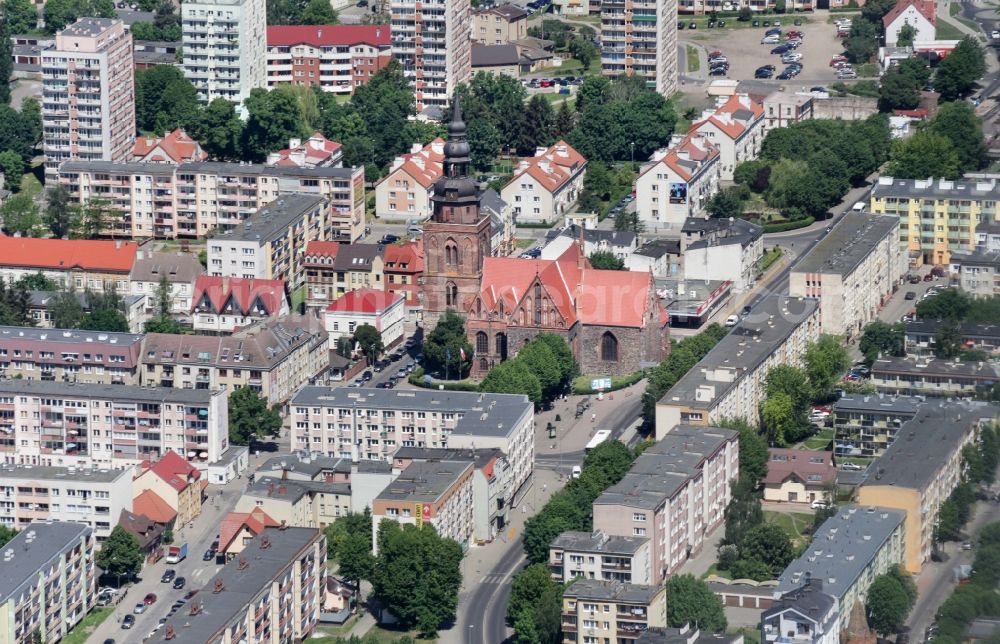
(609, 347)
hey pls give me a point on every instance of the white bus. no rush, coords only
(600, 436)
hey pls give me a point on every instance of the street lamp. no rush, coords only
(632, 146)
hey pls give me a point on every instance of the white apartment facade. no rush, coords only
(93, 497)
(678, 182)
(639, 37)
(406, 190)
(737, 127)
(433, 42)
(88, 94)
(384, 311)
(225, 47)
(547, 185)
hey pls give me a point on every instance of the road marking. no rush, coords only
(493, 578)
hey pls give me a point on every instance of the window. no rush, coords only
(482, 343)
(609, 347)
(450, 294)
(639, 532)
(638, 516)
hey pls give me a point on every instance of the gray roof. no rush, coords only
(596, 236)
(842, 549)
(480, 457)
(292, 490)
(88, 27)
(852, 239)
(659, 248)
(481, 414)
(130, 17)
(989, 227)
(494, 55)
(925, 442)
(272, 221)
(121, 393)
(756, 337)
(989, 258)
(181, 268)
(146, 57)
(967, 330)
(355, 257)
(935, 189)
(664, 469)
(115, 167)
(508, 11)
(491, 201)
(240, 587)
(49, 540)
(425, 481)
(311, 465)
(685, 636)
(721, 232)
(584, 589)
(809, 600)
(52, 473)
(73, 336)
(879, 404)
(985, 372)
(598, 542)
(45, 299)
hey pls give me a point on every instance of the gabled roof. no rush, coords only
(507, 11)
(175, 470)
(317, 250)
(255, 521)
(175, 147)
(424, 165)
(803, 464)
(214, 292)
(68, 254)
(364, 300)
(494, 55)
(328, 35)
(694, 152)
(152, 505)
(404, 258)
(357, 257)
(315, 151)
(925, 7)
(145, 529)
(178, 268)
(552, 168)
(735, 116)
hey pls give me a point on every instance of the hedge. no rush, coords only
(417, 379)
(789, 225)
(581, 384)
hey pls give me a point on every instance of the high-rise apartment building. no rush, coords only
(88, 94)
(433, 42)
(225, 47)
(640, 37)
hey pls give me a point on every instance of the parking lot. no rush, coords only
(745, 52)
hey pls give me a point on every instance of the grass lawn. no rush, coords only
(82, 631)
(820, 441)
(796, 524)
(385, 635)
(692, 58)
(556, 99)
(30, 185)
(948, 31)
(953, 9)
(525, 243)
(769, 258)
(867, 70)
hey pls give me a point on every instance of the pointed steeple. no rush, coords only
(456, 150)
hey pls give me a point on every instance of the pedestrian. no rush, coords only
(593, 417)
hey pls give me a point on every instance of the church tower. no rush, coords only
(457, 236)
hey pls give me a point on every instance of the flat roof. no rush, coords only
(935, 189)
(972, 330)
(88, 27)
(128, 393)
(685, 635)
(851, 240)
(48, 540)
(924, 443)
(598, 542)
(842, 548)
(272, 220)
(292, 490)
(616, 591)
(879, 404)
(54, 473)
(755, 338)
(984, 371)
(425, 481)
(481, 414)
(240, 586)
(305, 462)
(73, 336)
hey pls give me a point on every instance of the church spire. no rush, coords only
(456, 150)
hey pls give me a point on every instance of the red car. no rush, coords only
(837, 59)
(546, 83)
(149, 599)
(715, 54)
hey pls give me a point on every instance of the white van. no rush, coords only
(577, 471)
(732, 320)
(859, 207)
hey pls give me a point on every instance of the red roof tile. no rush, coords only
(364, 300)
(553, 168)
(177, 146)
(328, 35)
(925, 7)
(411, 254)
(214, 291)
(424, 165)
(151, 505)
(175, 470)
(231, 525)
(65, 254)
(316, 249)
(784, 463)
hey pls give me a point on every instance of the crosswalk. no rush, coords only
(494, 579)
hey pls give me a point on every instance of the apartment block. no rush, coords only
(807, 615)
(677, 182)
(719, 249)
(365, 478)
(918, 472)
(180, 270)
(83, 264)
(433, 42)
(271, 592)
(225, 46)
(371, 424)
(729, 381)
(600, 556)
(936, 217)
(853, 271)
(195, 199)
(97, 425)
(42, 304)
(88, 94)
(920, 338)
(847, 552)
(88, 496)
(499, 25)
(332, 270)
(737, 127)
(273, 357)
(70, 356)
(403, 266)
(383, 311)
(598, 611)
(335, 58)
(639, 37)
(675, 493)
(48, 585)
(978, 272)
(547, 185)
(866, 425)
(928, 376)
(224, 304)
(269, 243)
(303, 504)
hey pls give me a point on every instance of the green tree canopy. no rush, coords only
(754, 454)
(957, 122)
(769, 543)
(882, 338)
(319, 12)
(20, 215)
(691, 601)
(887, 605)
(249, 414)
(273, 118)
(120, 554)
(606, 260)
(728, 202)
(370, 340)
(825, 361)
(682, 357)
(535, 605)
(949, 304)
(510, 377)
(444, 346)
(957, 74)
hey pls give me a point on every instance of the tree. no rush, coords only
(61, 13)
(880, 338)
(21, 131)
(537, 126)
(273, 118)
(887, 605)
(565, 121)
(444, 347)
(898, 91)
(751, 569)
(584, 51)
(947, 340)
(957, 122)
(534, 598)
(769, 543)
(105, 320)
(417, 575)
(319, 12)
(949, 304)
(6, 534)
(753, 450)
(905, 36)
(249, 414)
(20, 16)
(825, 361)
(684, 355)
(538, 359)
(386, 102)
(510, 377)
(218, 129)
(606, 260)
(923, 155)
(745, 14)
(754, 174)
(727, 202)
(349, 543)
(629, 222)
(57, 211)
(67, 310)
(691, 601)
(12, 166)
(20, 215)
(91, 219)
(562, 354)
(777, 414)
(162, 324)
(743, 512)
(37, 282)
(369, 339)
(164, 99)
(120, 554)
(957, 74)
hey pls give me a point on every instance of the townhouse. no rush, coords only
(238, 529)
(677, 182)
(546, 185)
(737, 127)
(847, 552)
(675, 493)
(499, 25)
(151, 268)
(853, 271)
(297, 503)
(42, 307)
(192, 200)
(70, 356)
(273, 357)
(866, 425)
(174, 147)
(224, 304)
(781, 109)
(720, 249)
(594, 611)
(988, 235)
(403, 267)
(437, 493)
(936, 217)
(807, 614)
(271, 592)
(383, 311)
(729, 381)
(48, 581)
(335, 58)
(405, 191)
(176, 482)
(269, 244)
(918, 472)
(92, 497)
(601, 556)
(638, 37)
(920, 336)
(370, 424)
(978, 271)
(918, 15)
(798, 476)
(333, 270)
(83, 264)
(928, 376)
(502, 227)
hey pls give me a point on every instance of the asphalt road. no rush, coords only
(490, 599)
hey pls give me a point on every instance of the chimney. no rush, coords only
(270, 489)
(219, 586)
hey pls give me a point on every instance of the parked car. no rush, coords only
(190, 594)
(680, 24)
(769, 40)
(995, 34)
(149, 599)
(781, 49)
(791, 57)
(797, 22)
(128, 621)
(104, 599)
(722, 23)
(692, 25)
(732, 320)
(179, 583)
(929, 277)
(772, 32)
(910, 295)
(755, 23)
(785, 75)
(819, 505)
(854, 467)
(389, 239)
(718, 71)
(847, 72)
(763, 73)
